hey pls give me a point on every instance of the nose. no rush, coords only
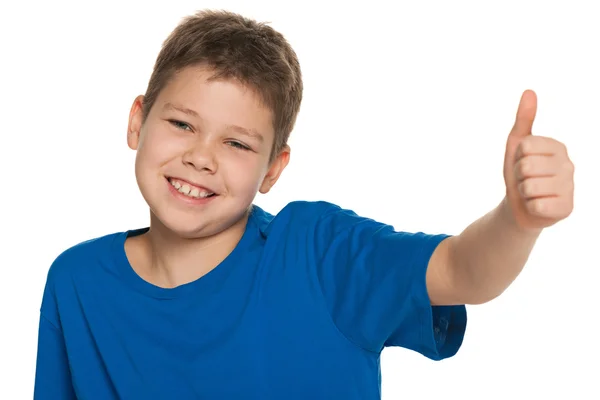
(201, 157)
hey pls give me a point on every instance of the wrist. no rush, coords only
(507, 215)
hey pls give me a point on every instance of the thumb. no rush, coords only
(525, 114)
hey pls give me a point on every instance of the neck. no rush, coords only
(170, 260)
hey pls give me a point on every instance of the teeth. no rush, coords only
(189, 191)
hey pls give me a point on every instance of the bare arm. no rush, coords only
(480, 263)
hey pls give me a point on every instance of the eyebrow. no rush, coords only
(188, 111)
(247, 132)
(252, 133)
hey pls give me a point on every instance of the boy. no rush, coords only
(218, 299)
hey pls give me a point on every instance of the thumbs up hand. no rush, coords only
(537, 171)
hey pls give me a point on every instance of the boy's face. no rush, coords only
(203, 153)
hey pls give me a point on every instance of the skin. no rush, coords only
(186, 242)
(480, 263)
(193, 139)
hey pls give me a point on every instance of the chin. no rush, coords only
(192, 219)
(186, 226)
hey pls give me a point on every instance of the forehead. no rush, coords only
(217, 102)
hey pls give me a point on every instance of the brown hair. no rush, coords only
(238, 48)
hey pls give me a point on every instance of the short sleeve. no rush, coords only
(373, 280)
(52, 371)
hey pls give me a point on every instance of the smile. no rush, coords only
(189, 190)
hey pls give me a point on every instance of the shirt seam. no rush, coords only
(322, 295)
(47, 319)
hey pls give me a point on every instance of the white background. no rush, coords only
(406, 111)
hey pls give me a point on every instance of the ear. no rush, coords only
(135, 123)
(275, 170)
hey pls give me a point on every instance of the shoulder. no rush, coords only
(305, 216)
(297, 209)
(80, 260)
(322, 228)
(81, 255)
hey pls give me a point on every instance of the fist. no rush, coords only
(537, 171)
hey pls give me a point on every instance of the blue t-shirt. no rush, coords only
(301, 309)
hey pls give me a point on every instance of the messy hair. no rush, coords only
(235, 47)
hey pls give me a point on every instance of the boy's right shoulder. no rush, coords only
(83, 255)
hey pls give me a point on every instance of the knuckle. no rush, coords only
(569, 167)
(527, 188)
(562, 147)
(536, 206)
(525, 166)
(525, 146)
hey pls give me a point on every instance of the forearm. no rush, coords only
(489, 254)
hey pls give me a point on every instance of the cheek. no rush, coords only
(244, 174)
(157, 149)
(152, 154)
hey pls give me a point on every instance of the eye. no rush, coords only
(238, 145)
(180, 125)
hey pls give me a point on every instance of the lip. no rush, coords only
(189, 200)
(191, 183)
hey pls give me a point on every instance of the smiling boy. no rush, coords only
(217, 298)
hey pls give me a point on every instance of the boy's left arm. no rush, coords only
(480, 263)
